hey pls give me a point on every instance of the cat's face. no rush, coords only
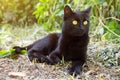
(76, 23)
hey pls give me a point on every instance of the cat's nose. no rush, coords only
(81, 27)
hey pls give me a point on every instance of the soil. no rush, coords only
(36, 71)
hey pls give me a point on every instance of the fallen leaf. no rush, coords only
(117, 70)
(16, 74)
(91, 72)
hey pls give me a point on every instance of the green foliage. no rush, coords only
(108, 12)
(48, 13)
(5, 53)
(23, 52)
(113, 26)
(108, 55)
(11, 53)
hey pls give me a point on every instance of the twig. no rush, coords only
(108, 28)
(113, 18)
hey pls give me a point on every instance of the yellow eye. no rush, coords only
(85, 22)
(74, 22)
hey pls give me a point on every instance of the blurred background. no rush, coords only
(24, 21)
(48, 14)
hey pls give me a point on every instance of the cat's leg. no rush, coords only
(37, 56)
(76, 68)
(43, 47)
(54, 57)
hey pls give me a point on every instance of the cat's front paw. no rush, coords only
(38, 59)
(76, 70)
(53, 59)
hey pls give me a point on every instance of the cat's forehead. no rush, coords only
(81, 14)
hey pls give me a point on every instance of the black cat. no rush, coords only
(41, 48)
(70, 44)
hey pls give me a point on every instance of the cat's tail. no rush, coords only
(19, 49)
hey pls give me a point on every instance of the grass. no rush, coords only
(21, 36)
(95, 68)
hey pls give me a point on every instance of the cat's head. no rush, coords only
(76, 23)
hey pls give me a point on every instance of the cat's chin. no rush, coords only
(78, 34)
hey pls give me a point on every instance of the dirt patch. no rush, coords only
(36, 71)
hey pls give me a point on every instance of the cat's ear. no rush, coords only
(67, 12)
(87, 10)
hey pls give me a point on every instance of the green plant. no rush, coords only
(114, 27)
(11, 53)
(108, 55)
(49, 12)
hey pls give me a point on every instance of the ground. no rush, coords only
(92, 70)
(36, 71)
